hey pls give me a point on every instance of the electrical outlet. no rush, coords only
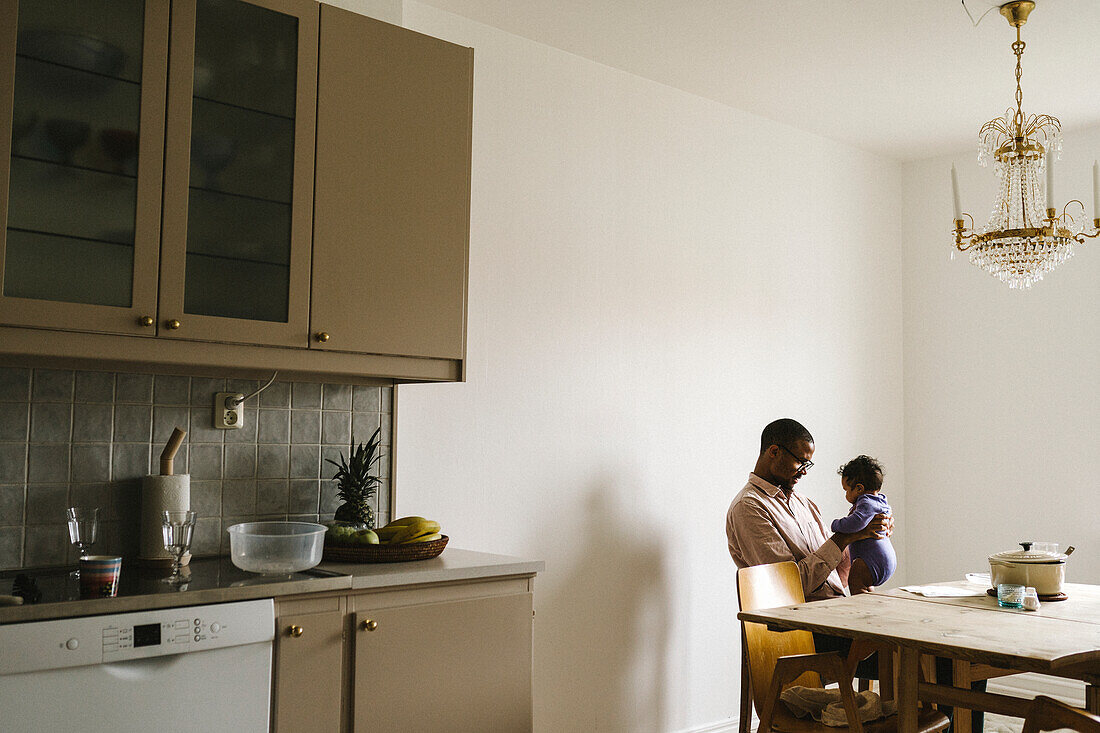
(227, 415)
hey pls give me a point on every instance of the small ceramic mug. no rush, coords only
(99, 576)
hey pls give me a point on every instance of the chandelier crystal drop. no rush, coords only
(1024, 238)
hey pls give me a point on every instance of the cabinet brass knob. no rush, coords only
(370, 624)
(172, 324)
(146, 321)
(321, 336)
(295, 631)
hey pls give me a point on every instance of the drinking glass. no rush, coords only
(177, 528)
(83, 528)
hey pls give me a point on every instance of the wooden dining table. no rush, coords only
(1060, 639)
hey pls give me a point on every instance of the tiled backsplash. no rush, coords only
(87, 438)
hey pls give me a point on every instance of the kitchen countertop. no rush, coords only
(217, 580)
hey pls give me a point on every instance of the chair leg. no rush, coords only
(744, 723)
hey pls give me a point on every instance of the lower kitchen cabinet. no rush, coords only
(308, 672)
(455, 666)
(438, 656)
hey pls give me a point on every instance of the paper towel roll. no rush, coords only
(161, 494)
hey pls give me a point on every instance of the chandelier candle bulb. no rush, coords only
(1050, 179)
(955, 192)
(1096, 191)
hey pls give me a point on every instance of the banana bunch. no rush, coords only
(408, 530)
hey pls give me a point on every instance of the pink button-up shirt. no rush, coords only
(765, 525)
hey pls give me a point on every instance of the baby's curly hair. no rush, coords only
(863, 470)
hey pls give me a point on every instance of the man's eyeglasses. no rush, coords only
(803, 466)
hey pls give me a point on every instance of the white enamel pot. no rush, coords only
(1043, 570)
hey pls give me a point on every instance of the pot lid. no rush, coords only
(1029, 555)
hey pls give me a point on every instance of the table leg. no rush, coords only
(908, 675)
(960, 677)
(1092, 698)
(886, 672)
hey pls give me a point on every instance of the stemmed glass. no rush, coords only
(177, 528)
(83, 528)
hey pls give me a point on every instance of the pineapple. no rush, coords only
(356, 482)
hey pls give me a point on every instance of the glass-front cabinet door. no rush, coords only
(238, 190)
(82, 90)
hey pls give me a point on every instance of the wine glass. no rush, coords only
(177, 528)
(83, 528)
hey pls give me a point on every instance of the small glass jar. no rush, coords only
(1010, 596)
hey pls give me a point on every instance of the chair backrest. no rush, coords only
(1049, 714)
(770, 586)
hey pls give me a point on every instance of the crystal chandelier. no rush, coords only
(1021, 242)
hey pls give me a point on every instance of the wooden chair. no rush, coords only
(1048, 714)
(778, 659)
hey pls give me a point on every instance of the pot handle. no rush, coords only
(1069, 550)
(1026, 546)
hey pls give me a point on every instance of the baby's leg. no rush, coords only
(860, 579)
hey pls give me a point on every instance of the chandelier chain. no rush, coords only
(1018, 49)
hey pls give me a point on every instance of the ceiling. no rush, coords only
(907, 80)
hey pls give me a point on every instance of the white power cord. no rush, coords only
(238, 400)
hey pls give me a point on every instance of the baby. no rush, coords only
(873, 560)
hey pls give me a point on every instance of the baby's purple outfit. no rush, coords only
(878, 554)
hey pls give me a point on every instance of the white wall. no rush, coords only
(1001, 400)
(653, 277)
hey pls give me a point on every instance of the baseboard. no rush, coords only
(1029, 685)
(722, 726)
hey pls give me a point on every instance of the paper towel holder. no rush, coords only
(168, 455)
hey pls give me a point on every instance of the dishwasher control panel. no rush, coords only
(100, 639)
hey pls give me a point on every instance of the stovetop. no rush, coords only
(58, 585)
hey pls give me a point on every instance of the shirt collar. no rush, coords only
(768, 488)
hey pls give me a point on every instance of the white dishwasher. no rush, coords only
(194, 669)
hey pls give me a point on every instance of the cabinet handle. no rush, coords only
(146, 321)
(172, 324)
(295, 631)
(370, 624)
(321, 336)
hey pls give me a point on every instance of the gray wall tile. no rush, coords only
(13, 463)
(273, 461)
(277, 395)
(169, 390)
(273, 426)
(203, 390)
(51, 422)
(305, 426)
(46, 544)
(129, 461)
(305, 395)
(95, 387)
(92, 423)
(48, 463)
(11, 548)
(91, 462)
(336, 397)
(54, 385)
(15, 384)
(167, 419)
(366, 399)
(305, 461)
(46, 503)
(335, 427)
(12, 498)
(271, 497)
(87, 438)
(14, 420)
(240, 461)
(133, 423)
(134, 388)
(206, 462)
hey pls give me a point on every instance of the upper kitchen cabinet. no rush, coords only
(392, 195)
(82, 89)
(238, 178)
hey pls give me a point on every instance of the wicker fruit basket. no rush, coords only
(385, 553)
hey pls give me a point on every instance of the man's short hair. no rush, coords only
(784, 432)
(862, 470)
